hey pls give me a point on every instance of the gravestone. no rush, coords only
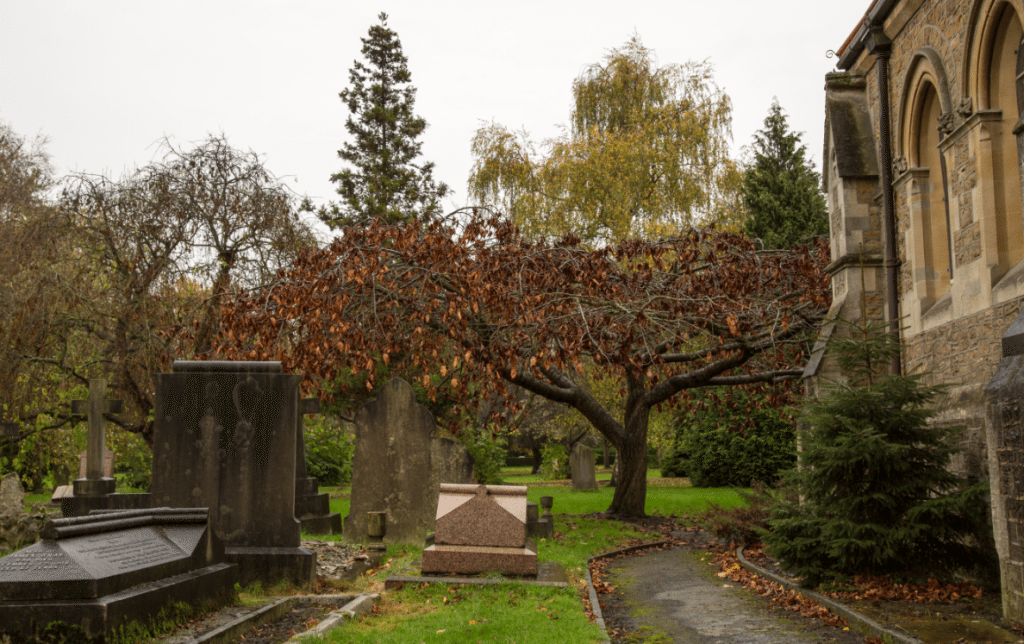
(312, 509)
(582, 465)
(225, 438)
(12, 495)
(481, 528)
(61, 474)
(95, 485)
(449, 463)
(102, 571)
(108, 463)
(391, 466)
(93, 482)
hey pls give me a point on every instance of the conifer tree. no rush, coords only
(780, 189)
(384, 182)
(873, 493)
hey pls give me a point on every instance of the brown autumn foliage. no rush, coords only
(472, 304)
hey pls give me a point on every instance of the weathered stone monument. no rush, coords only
(391, 466)
(481, 528)
(94, 483)
(102, 571)
(12, 495)
(583, 468)
(225, 438)
(312, 509)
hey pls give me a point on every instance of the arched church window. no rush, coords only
(1004, 69)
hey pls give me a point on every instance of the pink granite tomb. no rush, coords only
(481, 528)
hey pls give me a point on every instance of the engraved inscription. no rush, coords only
(34, 561)
(128, 551)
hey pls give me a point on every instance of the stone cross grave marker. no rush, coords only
(582, 465)
(93, 409)
(108, 463)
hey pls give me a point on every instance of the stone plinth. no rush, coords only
(472, 560)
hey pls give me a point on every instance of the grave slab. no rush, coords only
(103, 570)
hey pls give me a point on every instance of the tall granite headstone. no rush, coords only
(104, 570)
(225, 439)
(583, 468)
(391, 466)
(449, 463)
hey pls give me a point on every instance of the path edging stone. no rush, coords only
(595, 602)
(361, 605)
(246, 623)
(866, 623)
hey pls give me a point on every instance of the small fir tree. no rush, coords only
(780, 189)
(872, 493)
(384, 182)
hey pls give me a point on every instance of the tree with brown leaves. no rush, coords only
(476, 303)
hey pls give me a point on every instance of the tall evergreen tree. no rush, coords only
(780, 189)
(384, 182)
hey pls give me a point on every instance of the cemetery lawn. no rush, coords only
(507, 613)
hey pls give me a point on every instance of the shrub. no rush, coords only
(873, 494)
(743, 524)
(555, 462)
(489, 454)
(329, 450)
(674, 464)
(727, 445)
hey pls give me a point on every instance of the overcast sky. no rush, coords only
(104, 81)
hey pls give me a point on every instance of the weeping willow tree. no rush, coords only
(645, 154)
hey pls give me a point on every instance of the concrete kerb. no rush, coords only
(361, 605)
(866, 624)
(595, 602)
(237, 627)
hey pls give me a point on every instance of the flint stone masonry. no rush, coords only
(225, 438)
(481, 528)
(391, 466)
(583, 467)
(12, 495)
(101, 571)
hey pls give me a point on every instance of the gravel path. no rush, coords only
(672, 596)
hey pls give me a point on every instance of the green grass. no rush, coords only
(498, 613)
(503, 613)
(661, 501)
